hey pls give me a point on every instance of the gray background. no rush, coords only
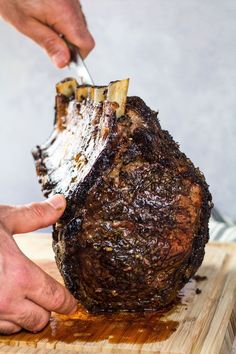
(180, 56)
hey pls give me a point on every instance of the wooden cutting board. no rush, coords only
(203, 320)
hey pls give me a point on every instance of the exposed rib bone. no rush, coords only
(91, 93)
(117, 92)
(100, 94)
(81, 93)
(67, 87)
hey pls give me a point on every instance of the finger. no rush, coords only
(33, 216)
(48, 293)
(49, 40)
(7, 327)
(29, 316)
(76, 30)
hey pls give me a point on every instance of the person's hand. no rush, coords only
(44, 20)
(27, 294)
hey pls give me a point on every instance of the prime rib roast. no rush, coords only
(136, 222)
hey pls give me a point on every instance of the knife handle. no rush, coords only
(74, 51)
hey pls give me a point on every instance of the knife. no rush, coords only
(77, 64)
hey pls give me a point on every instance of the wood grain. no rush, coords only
(200, 323)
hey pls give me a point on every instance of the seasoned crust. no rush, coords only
(135, 227)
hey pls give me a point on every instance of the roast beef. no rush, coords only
(136, 222)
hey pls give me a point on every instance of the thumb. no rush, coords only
(30, 217)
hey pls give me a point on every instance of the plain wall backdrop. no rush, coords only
(180, 57)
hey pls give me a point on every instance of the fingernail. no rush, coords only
(60, 59)
(57, 202)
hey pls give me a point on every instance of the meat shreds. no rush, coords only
(136, 222)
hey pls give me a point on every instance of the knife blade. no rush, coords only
(78, 65)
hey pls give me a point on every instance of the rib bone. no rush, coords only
(117, 92)
(100, 94)
(81, 93)
(67, 87)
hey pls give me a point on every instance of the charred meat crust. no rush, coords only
(135, 228)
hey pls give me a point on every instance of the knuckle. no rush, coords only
(88, 42)
(51, 45)
(42, 322)
(91, 43)
(38, 210)
(34, 321)
(27, 320)
(59, 298)
(56, 293)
